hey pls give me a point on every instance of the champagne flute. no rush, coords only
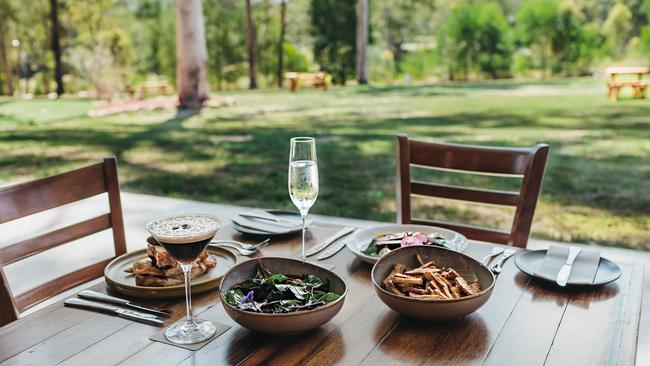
(303, 178)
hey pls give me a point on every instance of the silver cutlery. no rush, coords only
(269, 217)
(324, 244)
(240, 250)
(243, 245)
(94, 295)
(332, 250)
(137, 316)
(565, 271)
(495, 251)
(497, 268)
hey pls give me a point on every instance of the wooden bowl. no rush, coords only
(438, 310)
(284, 323)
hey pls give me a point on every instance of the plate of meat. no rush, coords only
(152, 273)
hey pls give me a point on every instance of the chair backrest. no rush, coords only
(527, 163)
(32, 197)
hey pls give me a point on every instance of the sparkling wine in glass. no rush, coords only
(303, 178)
(185, 237)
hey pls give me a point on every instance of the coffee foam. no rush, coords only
(182, 229)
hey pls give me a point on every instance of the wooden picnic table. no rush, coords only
(524, 323)
(615, 85)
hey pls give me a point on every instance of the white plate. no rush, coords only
(361, 239)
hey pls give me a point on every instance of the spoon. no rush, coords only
(243, 245)
(242, 251)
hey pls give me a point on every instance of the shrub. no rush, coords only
(476, 38)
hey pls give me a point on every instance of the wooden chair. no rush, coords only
(527, 163)
(29, 198)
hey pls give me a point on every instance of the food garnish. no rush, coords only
(280, 293)
(429, 282)
(159, 269)
(384, 243)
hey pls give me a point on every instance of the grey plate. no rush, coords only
(529, 262)
(279, 213)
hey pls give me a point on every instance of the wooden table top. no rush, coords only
(524, 323)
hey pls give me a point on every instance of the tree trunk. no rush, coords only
(362, 42)
(191, 55)
(250, 46)
(283, 25)
(56, 46)
(4, 60)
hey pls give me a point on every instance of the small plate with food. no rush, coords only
(373, 243)
(153, 273)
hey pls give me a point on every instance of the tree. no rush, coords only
(56, 46)
(476, 38)
(333, 24)
(250, 46)
(5, 13)
(283, 27)
(361, 64)
(191, 55)
(226, 42)
(617, 27)
(402, 21)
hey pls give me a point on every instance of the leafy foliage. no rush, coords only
(476, 38)
(333, 27)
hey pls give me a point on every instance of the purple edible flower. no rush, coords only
(248, 297)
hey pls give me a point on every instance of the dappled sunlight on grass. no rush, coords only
(594, 190)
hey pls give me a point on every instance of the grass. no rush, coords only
(595, 189)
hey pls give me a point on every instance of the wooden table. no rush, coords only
(524, 323)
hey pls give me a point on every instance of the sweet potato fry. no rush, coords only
(429, 282)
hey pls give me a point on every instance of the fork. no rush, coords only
(496, 269)
(242, 251)
(495, 251)
(243, 245)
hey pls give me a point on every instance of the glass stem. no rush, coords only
(303, 218)
(187, 269)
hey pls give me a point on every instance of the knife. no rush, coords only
(121, 312)
(565, 271)
(332, 250)
(270, 217)
(317, 248)
(94, 295)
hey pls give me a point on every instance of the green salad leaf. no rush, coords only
(280, 293)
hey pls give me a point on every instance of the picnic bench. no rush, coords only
(614, 86)
(151, 88)
(318, 79)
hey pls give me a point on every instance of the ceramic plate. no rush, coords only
(361, 239)
(279, 213)
(124, 282)
(529, 262)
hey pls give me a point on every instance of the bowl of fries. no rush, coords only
(431, 283)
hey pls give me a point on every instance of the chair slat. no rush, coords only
(32, 297)
(511, 161)
(43, 194)
(488, 235)
(32, 246)
(504, 198)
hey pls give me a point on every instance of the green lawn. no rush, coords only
(596, 187)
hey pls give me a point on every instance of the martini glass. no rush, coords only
(185, 237)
